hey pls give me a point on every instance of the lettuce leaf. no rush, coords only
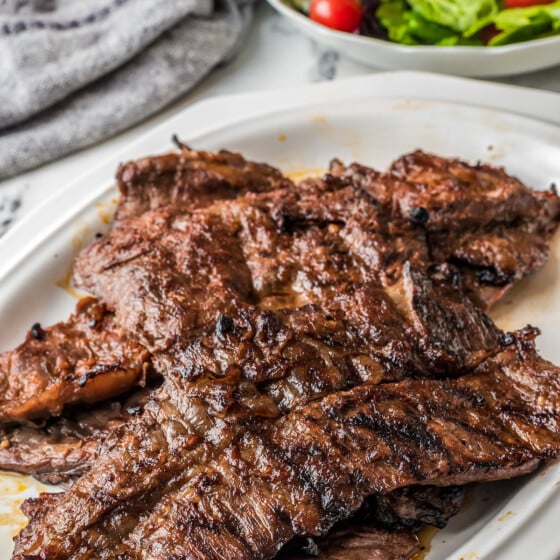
(393, 16)
(408, 27)
(524, 24)
(458, 15)
(426, 31)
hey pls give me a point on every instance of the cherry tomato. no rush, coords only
(525, 3)
(343, 15)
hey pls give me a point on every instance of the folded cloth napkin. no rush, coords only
(74, 72)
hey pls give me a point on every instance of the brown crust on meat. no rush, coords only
(86, 359)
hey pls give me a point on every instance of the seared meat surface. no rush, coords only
(191, 179)
(86, 359)
(89, 358)
(318, 346)
(59, 450)
(365, 535)
(488, 224)
(305, 273)
(247, 487)
(35, 387)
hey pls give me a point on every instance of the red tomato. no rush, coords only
(343, 15)
(525, 3)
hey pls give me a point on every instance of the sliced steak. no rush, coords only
(272, 319)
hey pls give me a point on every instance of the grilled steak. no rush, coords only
(241, 493)
(89, 358)
(142, 461)
(490, 225)
(33, 387)
(381, 529)
(272, 319)
(61, 449)
(191, 179)
(83, 360)
(318, 251)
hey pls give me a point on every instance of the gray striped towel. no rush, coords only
(73, 72)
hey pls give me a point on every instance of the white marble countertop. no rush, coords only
(274, 55)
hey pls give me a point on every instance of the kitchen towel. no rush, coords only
(74, 72)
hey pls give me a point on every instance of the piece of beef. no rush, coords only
(61, 449)
(322, 322)
(86, 359)
(487, 223)
(456, 194)
(313, 356)
(89, 358)
(191, 179)
(382, 527)
(357, 540)
(315, 465)
(245, 488)
(50, 458)
(251, 308)
(414, 507)
(313, 257)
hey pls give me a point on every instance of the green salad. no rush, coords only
(465, 22)
(439, 22)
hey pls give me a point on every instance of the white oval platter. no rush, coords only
(371, 120)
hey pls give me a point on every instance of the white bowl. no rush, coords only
(460, 61)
